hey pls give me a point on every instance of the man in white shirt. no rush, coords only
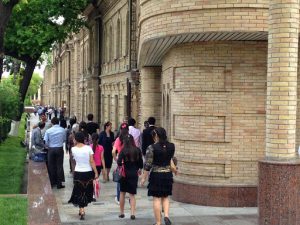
(136, 133)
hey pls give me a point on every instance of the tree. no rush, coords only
(34, 26)
(6, 7)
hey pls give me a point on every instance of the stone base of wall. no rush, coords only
(219, 196)
(278, 192)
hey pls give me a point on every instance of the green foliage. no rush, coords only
(33, 27)
(9, 100)
(13, 211)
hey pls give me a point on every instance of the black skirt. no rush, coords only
(83, 189)
(129, 184)
(160, 184)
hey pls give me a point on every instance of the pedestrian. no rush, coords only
(71, 143)
(106, 139)
(117, 149)
(136, 133)
(63, 122)
(147, 137)
(84, 175)
(54, 139)
(98, 155)
(55, 112)
(50, 111)
(146, 124)
(92, 127)
(87, 136)
(37, 143)
(159, 161)
(131, 158)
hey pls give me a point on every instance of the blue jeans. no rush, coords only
(118, 191)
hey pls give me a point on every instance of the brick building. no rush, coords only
(220, 76)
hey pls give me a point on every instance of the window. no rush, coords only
(108, 108)
(118, 40)
(110, 44)
(116, 111)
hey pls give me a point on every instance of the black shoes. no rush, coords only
(167, 221)
(132, 217)
(94, 200)
(121, 216)
(60, 186)
(82, 216)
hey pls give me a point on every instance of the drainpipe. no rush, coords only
(130, 64)
(69, 84)
(100, 42)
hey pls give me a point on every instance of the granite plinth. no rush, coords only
(220, 196)
(278, 193)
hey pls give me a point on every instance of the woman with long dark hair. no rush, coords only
(159, 161)
(106, 139)
(85, 173)
(83, 129)
(131, 157)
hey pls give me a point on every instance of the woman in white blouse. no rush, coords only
(85, 173)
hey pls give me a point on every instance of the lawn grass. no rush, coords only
(13, 211)
(12, 160)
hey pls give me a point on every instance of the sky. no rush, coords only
(38, 70)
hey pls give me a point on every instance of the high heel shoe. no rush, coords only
(167, 221)
(82, 215)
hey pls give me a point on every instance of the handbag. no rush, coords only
(119, 173)
(96, 188)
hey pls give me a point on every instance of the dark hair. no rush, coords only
(41, 125)
(54, 121)
(146, 124)
(90, 116)
(162, 136)
(83, 129)
(72, 122)
(124, 132)
(151, 120)
(79, 137)
(130, 151)
(131, 122)
(106, 125)
(95, 138)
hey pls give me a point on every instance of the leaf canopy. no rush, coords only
(33, 27)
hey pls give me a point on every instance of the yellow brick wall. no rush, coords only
(217, 103)
(163, 18)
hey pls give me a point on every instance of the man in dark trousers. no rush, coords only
(54, 139)
(147, 135)
(91, 126)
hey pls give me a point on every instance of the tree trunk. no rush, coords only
(5, 14)
(29, 69)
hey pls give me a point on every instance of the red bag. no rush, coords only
(96, 188)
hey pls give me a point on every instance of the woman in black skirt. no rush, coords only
(159, 161)
(106, 139)
(84, 175)
(131, 158)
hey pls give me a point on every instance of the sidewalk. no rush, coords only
(105, 211)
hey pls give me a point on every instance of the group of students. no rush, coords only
(155, 158)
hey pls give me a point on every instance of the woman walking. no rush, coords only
(159, 161)
(131, 158)
(98, 155)
(106, 139)
(85, 173)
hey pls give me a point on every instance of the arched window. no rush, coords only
(127, 28)
(110, 45)
(118, 40)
